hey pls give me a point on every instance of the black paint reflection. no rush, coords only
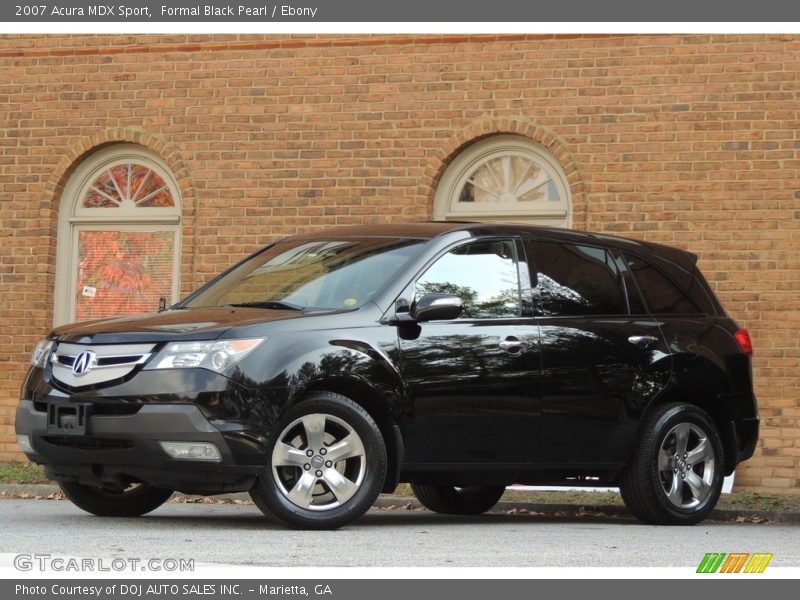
(594, 382)
(472, 401)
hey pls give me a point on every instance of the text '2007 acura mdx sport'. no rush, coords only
(327, 368)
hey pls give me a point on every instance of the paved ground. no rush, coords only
(236, 534)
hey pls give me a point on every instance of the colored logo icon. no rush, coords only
(734, 562)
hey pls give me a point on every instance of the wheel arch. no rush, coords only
(378, 406)
(708, 402)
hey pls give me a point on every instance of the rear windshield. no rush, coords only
(324, 274)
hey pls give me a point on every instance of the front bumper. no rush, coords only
(117, 449)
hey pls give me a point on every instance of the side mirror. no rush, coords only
(436, 307)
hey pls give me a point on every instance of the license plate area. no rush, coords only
(68, 418)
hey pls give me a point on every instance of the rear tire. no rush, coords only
(451, 500)
(132, 502)
(675, 476)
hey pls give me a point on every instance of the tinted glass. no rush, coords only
(688, 283)
(483, 274)
(662, 296)
(315, 274)
(573, 279)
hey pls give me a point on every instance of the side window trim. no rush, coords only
(629, 284)
(626, 256)
(410, 289)
(527, 281)
(538, 308)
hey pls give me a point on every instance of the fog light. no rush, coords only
(191, 450)
(24, 442)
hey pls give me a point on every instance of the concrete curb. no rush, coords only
(589, 510)
(43, 490)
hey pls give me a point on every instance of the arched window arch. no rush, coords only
(505, 178)
(118, 247)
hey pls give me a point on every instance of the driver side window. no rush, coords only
(484, 275)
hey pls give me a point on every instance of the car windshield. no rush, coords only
(325, 274)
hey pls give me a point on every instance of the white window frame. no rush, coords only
(446, 206)
(73, 218)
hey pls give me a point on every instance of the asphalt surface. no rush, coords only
(226, 534)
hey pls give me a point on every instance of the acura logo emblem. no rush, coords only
(83, 363)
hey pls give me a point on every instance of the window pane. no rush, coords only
(661, 295)
(129, 184)
(93, 198)
(467, 193)
(523, 170)
(152, 191)
(509, 179)
(497, 172)
(484, 275)
(140, 175)
(119, 175)
(102, 193)
(122, 272)
(535, 195)
(486, 185)
(576, 280)
(160, 199)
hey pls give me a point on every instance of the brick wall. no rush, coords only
(688, 140)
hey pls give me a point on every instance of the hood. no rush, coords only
(171, 325)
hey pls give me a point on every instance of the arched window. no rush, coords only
(504, 178)
(119, 237)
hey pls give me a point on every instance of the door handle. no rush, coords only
(512, 345)
(642, 341)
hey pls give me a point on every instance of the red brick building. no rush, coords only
(183, 153)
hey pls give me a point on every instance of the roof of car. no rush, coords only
(426, 230)
(432, 229)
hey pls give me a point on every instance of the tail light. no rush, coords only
(743, 339)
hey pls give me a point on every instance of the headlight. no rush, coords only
(41, 352)
(215, 356)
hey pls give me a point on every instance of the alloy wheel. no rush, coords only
(686, 465)
(318, 462)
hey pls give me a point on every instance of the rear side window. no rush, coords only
(660, 293)
(575, 280)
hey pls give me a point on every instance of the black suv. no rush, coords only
(459, 357)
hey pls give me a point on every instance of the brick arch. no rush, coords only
(483, 128)
(56, 182)
(54, 186)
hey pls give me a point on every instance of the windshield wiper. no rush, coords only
(277, 304)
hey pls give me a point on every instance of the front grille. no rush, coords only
(77, 366)
(113, 361)
(63, 359)
(100, 361)
(87, 443)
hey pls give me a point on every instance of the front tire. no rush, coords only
(327, 464)
(451, 500)
(675, 476)
(134, 501)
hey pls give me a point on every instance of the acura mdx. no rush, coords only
(458, 357)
